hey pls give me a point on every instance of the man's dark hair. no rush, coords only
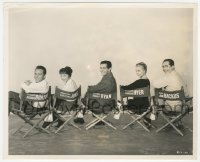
(42, 68)
(108, 63)
(171, 62)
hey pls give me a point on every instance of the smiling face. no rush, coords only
(39, 75)
(140, 72)
(104, 69)
(64, 77)
(167, 68)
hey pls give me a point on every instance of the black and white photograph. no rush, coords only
(105, 79)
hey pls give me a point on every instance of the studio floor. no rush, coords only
(102, 140)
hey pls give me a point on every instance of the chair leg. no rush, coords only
(75, 125)
(186, 127)
(66, 121)
(46, 131)
(28, 131)
(136, 119)
(141, 124)
(150, 124)
(102, 119)
(91, 122)
(18, 130)
(170, 123)
(26, 121)
(40, 127)
(35, 126)
(109, 124)
(50, 125)
(131, 123)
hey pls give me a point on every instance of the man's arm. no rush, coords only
(105, 85)
(160, 83)
(137, 84)
(41, 87)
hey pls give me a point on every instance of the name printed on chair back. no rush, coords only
(67, 95)
(139, 92)
(36, 97)
(101, 96)
(175, 95)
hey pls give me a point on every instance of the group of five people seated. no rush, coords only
(171, 81)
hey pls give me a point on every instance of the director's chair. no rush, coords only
(40, 106)
(70, 100)
(172, 115)
(107, 103)
(134, 113)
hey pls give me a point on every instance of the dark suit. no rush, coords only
(106, 85)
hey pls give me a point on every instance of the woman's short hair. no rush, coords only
(143, 65)
(67, 70)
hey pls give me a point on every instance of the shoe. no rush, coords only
(147, 124)
(180, 127)
(58, 111)
(11, 113)
(83, 109)
(149, 127)
(79, 115)
(45, 124)
(100, 123)
(79, 120)
(59, 124)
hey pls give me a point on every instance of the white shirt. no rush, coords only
(172, 81)
(40, 87)
(69, 86)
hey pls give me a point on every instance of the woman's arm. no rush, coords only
(137, 84)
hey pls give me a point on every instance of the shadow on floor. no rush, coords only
(102, 140)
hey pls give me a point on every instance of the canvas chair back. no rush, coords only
(103, 99)
(178, 95)
(36, 100)
(170, 95)
(135, 93)
(106, 103)
(67, 96)
(174, 114)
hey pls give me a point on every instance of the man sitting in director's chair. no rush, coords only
(105, 86)
(39, 85)
(171, 82)
(34, 100)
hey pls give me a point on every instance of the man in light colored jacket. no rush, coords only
(172, 81)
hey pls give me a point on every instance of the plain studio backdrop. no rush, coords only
(80, 36)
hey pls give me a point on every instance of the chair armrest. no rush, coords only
(157, 107)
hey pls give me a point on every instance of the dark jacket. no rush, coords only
(106, 85)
